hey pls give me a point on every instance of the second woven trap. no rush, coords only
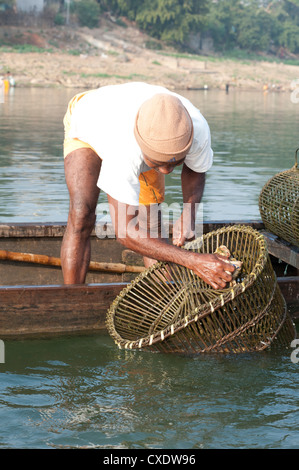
(279, 204)
(168, 308)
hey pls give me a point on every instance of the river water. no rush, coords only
(82, 392)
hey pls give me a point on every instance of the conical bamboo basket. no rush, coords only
(185, 315)
(279, 204)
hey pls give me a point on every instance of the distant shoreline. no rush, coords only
(85, 59)
(61, 70)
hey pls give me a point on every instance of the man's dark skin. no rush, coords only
(82, 168)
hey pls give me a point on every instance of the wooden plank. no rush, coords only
(48, 310)
(282, 249)
(32, 230)
(289, 287)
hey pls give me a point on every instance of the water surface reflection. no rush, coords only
(84, 392)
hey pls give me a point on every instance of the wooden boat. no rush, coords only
(34, 301)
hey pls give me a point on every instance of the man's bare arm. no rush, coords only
(209, 267)
(192, 186)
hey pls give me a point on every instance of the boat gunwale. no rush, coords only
(57, 229)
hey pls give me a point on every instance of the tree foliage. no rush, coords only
(88, 12)
(286, 12)
(7, 3)
(169, 20)
(172, 20)
(252, 25)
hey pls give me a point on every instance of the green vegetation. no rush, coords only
(5, 4)
(233, 26)
(268, 26)
(171, 20)
(23, 48)
(73, 52)
(88, 12)
(253, 27)
(133, 76)
(235, 55)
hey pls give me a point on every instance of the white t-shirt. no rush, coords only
(105, 118)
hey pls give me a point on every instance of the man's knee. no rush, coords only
(81, 218)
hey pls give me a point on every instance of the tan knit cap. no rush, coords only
(163, 128)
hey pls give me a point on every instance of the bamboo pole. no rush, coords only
(52, 261)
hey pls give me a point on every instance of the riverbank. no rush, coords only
(88, 58)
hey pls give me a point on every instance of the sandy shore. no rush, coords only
(84, 58)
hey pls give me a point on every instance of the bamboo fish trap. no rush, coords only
(279, 204)
(186, 315)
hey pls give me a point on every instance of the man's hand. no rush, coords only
(183, 230)
(213, 270)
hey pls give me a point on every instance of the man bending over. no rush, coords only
(123, 140)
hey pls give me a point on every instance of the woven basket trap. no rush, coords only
(279, 204)
(186, 315)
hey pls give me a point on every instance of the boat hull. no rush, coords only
(34, 301)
